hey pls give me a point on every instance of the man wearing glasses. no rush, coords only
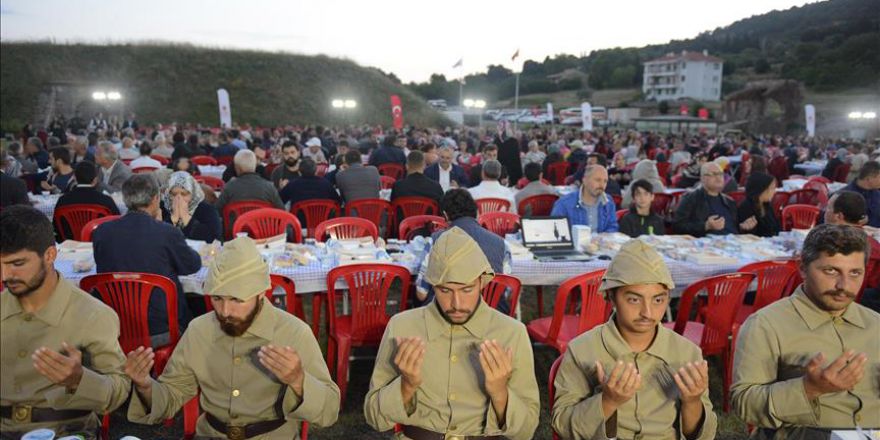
(706, 210)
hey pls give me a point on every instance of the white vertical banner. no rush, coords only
(587, 116)
(225, 109)
(810, 113)
(550, 110)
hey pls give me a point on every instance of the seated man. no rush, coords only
(288, 170)
(390, 152)
(267, 360)
(589, 205)
(415, 184)
(57, 372)
(455, 367)
(61, 179)
(448, 174)
(313, 151)
(85, 191)
(604, 368)
(490, 152)
(225, 149)
(13, 191)
(490, 187)
(358, 181)
(868, 185)
(144, 160)
(848, 208)
(808, 363)
(640, 220)
(156, 247)
(535, 186)
(707, 210)
(248, 185)
(113, 172)
(308, 186)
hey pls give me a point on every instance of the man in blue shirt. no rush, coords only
(868, 185)
(589, 205)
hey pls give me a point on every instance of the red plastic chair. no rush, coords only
(500, 223)
(778, 168)
(841, 174)
(215, 183)
(386, 182)
(377, 211)
(779, 201)
(368, 287)
(406, 207)
(203, 160)
(395, 171)
(233, 210)
(315, 211)
(410, 224)
(872, 277)
(618, 200)
(773, 277)
(724, 296)
(557, 172)
(345, 228)
(804, 197)
(69, 220)
(799, 217)
(321, 169)
(737, 196)
(128, 294)
(161, 159)
(663, 170)
(290, 302)
(551, 387)
(225, 160)
(662, 205)
(821, 189)
(621, 213)
(537, 206)
(567, 322)
(492, 204)
(495, 289)
(143, 170)
(89, 228)
(266, 223)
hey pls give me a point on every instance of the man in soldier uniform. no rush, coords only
(481, 383)
(810, 363)
(56, 371)
(632, 377)
(259, 369)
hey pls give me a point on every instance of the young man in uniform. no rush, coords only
(57, 372)
(632, 377)
(810, 363)
(258, 368)
(455, 368)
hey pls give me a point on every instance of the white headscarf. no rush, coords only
(645, 169)
(182, 179)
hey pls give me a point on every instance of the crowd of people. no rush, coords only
(258, 368)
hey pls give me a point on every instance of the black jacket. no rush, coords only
(13, 191)
(634, 225)
(205, 224)
(693, 211)
(87, 195)
(418, 185)
(308, 188)
(768, 225)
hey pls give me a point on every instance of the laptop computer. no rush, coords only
(550, 239)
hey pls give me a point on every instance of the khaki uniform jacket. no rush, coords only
(772, 351)
(451, 398)
(653, 413)
(71, 316)
(234, 385)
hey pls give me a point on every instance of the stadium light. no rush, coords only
(474, 103)
(99, 96)
(869, 115)
(468, 103)
(338, 103)
(114, 96)
(480, 103)
(350, 103)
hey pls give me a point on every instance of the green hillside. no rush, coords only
(165, 83)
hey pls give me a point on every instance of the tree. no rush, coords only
(762, 66)
(663, 107)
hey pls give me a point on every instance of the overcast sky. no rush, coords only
(410, 38)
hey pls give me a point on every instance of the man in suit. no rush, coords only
(86, 192)
(13, 190)
(113, 171)
(80, 152)
(448, 174)
(389, 152)
(248, 185)
(141, 242)
(358, 181)
(416, 183)
(308, 186)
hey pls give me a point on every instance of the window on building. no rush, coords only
(717, 66)
(683, 64)
(682, 78)
(681, 90)
(715, 79)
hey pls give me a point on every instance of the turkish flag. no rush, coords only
(683, 110)
(396, 112)
(703, 113)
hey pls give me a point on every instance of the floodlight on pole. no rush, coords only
(855, 115)
(350, 103)
(869, 115)
(338, 103)
(468, 103)
(480, 103)
(99, 96)
(114, 96)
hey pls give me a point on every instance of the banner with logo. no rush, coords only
(396, 112)
(810, 113)
(225, 108)
(703, 113)
(587, 116)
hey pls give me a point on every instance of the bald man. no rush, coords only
(590, 205)
(708, 211)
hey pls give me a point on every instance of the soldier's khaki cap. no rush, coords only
(636, 263)
(457, 258)
(238, 271)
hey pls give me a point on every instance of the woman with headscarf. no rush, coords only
(185, 207)
(646, 169)
(760, 188)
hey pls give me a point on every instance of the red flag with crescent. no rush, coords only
(396, 112)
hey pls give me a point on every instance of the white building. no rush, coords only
(691, 75)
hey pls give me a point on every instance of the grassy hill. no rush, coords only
(164, 83)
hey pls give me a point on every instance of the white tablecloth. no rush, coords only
(812, 168)
(46, 203)
(213, 171)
